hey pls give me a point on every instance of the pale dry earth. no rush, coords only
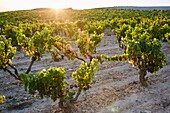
(115, 88)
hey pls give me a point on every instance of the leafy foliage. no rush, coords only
(139, 33)
(83, 75)
(52, 82)
(47, 82)
(2, 98)
(7, 51)
(141, 46)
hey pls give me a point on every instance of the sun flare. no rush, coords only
(57, 4)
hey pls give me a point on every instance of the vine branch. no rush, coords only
(30, 66)
(12, 74)
(15, 70)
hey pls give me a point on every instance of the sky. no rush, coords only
(6, 5)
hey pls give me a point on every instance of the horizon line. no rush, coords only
(76, 8)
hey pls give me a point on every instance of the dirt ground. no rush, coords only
(115, 88)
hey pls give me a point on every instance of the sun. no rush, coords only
(58, 4)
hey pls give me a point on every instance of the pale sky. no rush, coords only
(76, 4)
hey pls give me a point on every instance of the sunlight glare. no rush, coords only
(57, 4)
(113, 110)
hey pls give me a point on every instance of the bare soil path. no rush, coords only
(115, 89)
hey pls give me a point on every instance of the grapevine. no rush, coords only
(37, 32)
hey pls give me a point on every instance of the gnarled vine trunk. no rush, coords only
(67, 106)
(142, 74)
(142, 78)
